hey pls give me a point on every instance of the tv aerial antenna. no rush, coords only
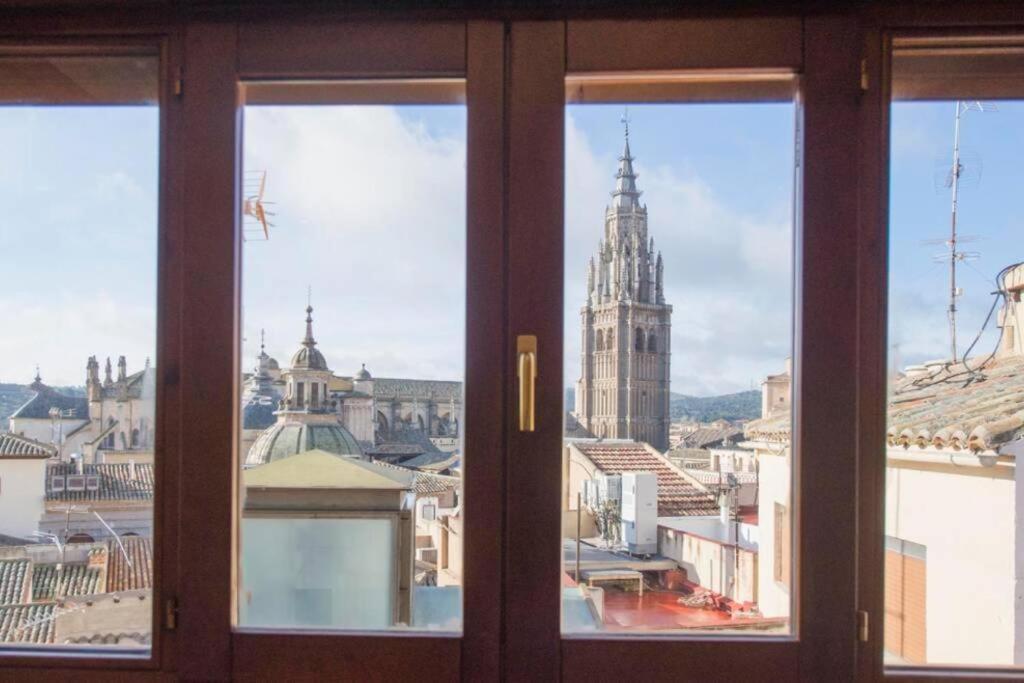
(255, 223)
(953, 255)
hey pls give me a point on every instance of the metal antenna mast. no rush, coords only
(957, 168)
(954, 256)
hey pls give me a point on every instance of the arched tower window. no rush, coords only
(639, 339)
(599, 340)
(652, 344)
(135, 438)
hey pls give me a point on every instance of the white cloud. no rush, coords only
(371, 215)
(61, 331)
(727, 273)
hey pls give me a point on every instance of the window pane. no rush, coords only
(79, 179)
(353, 312)
(956, 387)
(678, 329)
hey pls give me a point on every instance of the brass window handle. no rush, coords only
(526, 370)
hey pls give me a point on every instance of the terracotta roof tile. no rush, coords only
(946, 409)
(13, 577)
(15, 446)
(76, 579)
(27, 623)
(115, 482)
(677, 495)
(139, 574)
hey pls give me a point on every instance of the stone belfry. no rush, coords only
(623, 390)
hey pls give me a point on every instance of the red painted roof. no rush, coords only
(660, 610)
(677, 495)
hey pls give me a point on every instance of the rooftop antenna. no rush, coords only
(255, 226)
(953, 256)
(625, 120)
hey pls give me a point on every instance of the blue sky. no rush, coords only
(991, 207)
(371, 214)
(77, 239)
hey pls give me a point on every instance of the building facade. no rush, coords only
(393, 419)
(623, 390)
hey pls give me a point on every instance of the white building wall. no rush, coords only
(709, 563)
(775, 479)
(965, 517)
(22, 495)
(43, 431)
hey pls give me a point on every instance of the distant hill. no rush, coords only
(745, 405)
(13, 396)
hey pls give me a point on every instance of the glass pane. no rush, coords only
(353, 318)
(956, 388)
(678, 329)
(79, 177)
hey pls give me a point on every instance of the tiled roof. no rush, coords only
(13, 577)
(121, 576)
(425, 483)
(431, 484)
(396, 449)
(432, 461)
(947, 411)
(38, 407)
(112, 638)
(677, 495)
(943, 410)
(14, 446)
(710, 436)
(385, 387)
(27, 623)
(115, 482)
(76, 579)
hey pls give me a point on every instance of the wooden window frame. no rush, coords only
(282, 50)
(825, 53)
(881, 25)
(32, 35)
(515, 151)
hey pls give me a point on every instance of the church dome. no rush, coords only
(272, 364)
(258, 412)
(309, 357)
(287, 438)
(363, 373)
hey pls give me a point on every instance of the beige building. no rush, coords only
(954, 517)
(22, 473)
(626, 326)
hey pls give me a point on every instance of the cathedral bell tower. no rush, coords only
(623, 390)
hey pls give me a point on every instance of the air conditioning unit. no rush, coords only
(640, 512)
(57, 483)
(76, 482)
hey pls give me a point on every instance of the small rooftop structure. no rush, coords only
(678, 493)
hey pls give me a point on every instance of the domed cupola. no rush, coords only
(290, 437)
(363, 373)
(309, 357)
